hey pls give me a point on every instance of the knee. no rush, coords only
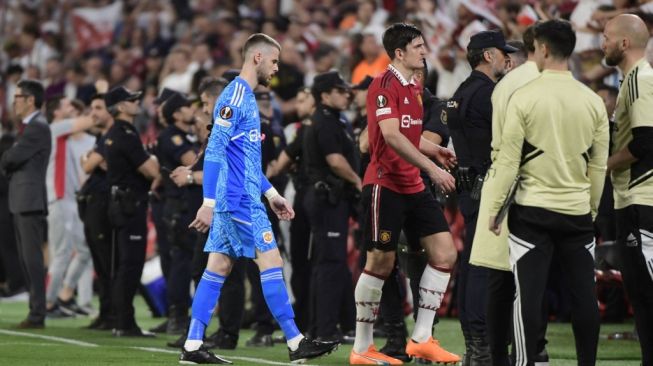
(219, 263)
(380, 263)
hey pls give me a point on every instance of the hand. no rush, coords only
(180, 176)
(446, 157)
(203, 219)
(281, 208)
(156, 183)
(101, 86)
(443, 179)
(359, 185)
(496, 229)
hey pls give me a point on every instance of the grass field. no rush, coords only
(63, 342)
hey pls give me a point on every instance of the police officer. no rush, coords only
(93, 205)
(469, 117)
(176, 146)
(330, 160)
(130, 171)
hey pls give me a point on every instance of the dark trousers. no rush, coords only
(472, 280)
(176, 218)
(200, 258)
(162, 244)
(98, 234)
(634, 238)
(300, 281)
(131, 240)
(13, 275)
(30, 230)
(332, 299)
(536, 236)
(232, 299)
(392, 297)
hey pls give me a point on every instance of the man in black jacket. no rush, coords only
(25, 163)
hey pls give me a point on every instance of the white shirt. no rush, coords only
(29, 118)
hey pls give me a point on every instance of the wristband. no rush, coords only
(271, 193)
(208, 202)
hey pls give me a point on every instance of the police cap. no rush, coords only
(120, 94)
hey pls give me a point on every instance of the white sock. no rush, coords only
(193, 344)
(293, 343)
(432, 287)
(367, 295)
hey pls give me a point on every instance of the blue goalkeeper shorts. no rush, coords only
(241, 233)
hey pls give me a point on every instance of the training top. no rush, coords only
(232, 161)
(634, 117)
(556, 137)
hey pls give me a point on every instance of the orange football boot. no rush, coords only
(430, 350)
(372, 357)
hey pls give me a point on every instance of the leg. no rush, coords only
(300, 234)
(531, 251)
(500, 295)
(9, 250)
(232, 305)
(263, 318)
(60, 249)
(30, 236)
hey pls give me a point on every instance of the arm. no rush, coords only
(443, 155)
(279, 166)
(150, 168)
(340, 167)
(405, 149)
(641, 146)
(35, 137)
(364, 141)
(506, 166)
(91, 161)
(597, 163)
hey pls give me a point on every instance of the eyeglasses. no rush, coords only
(21, 96)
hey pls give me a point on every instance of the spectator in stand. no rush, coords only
(177, 72)
(373, 58)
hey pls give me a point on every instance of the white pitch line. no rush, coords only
(250, 359)
(50, 338)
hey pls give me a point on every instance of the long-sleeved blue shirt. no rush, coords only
(232, 161)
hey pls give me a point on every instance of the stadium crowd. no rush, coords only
(117, 115)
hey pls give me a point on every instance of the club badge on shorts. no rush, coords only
(385, 236)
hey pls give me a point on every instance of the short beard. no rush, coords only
(262, 79)
(614, 58)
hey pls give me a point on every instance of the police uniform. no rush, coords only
(180, 207)
(127, 213)
(93, 207)
(561, 181)
(469, 117)
(327, 203)
(300, 230)
(633, 196)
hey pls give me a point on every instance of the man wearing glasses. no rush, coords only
(25, 164)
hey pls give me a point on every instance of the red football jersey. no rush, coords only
(390, 95)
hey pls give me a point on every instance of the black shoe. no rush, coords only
(260, 340)
(309, 349)
(201, 356)
(28, 324)
(178, 343)
(396, 347)
(221, 340)
(100, 324)
(133, 332)
(541, 359)
(69, 307)
(161, 328)
(57, 312)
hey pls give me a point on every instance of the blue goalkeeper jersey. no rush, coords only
(232, 161)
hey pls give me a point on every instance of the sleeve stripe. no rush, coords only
(238, 136)
(241, 93)
(234, 97)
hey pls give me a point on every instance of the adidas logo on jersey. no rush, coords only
(406, 100)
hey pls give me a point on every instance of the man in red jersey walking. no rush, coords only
(395, 198)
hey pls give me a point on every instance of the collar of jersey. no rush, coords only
(401, 78)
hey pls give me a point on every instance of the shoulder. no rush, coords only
(233, 95)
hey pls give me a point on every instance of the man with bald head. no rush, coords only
(631, 166)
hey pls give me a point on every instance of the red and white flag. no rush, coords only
(94, 27)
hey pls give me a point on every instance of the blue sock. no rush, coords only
(206, 296)
(276, 296)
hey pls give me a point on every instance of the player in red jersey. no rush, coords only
(395, 198)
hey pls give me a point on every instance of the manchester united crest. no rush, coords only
(385, 236)
(226, 112)
(444, 117)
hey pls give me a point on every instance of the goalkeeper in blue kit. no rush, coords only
(234, 214)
